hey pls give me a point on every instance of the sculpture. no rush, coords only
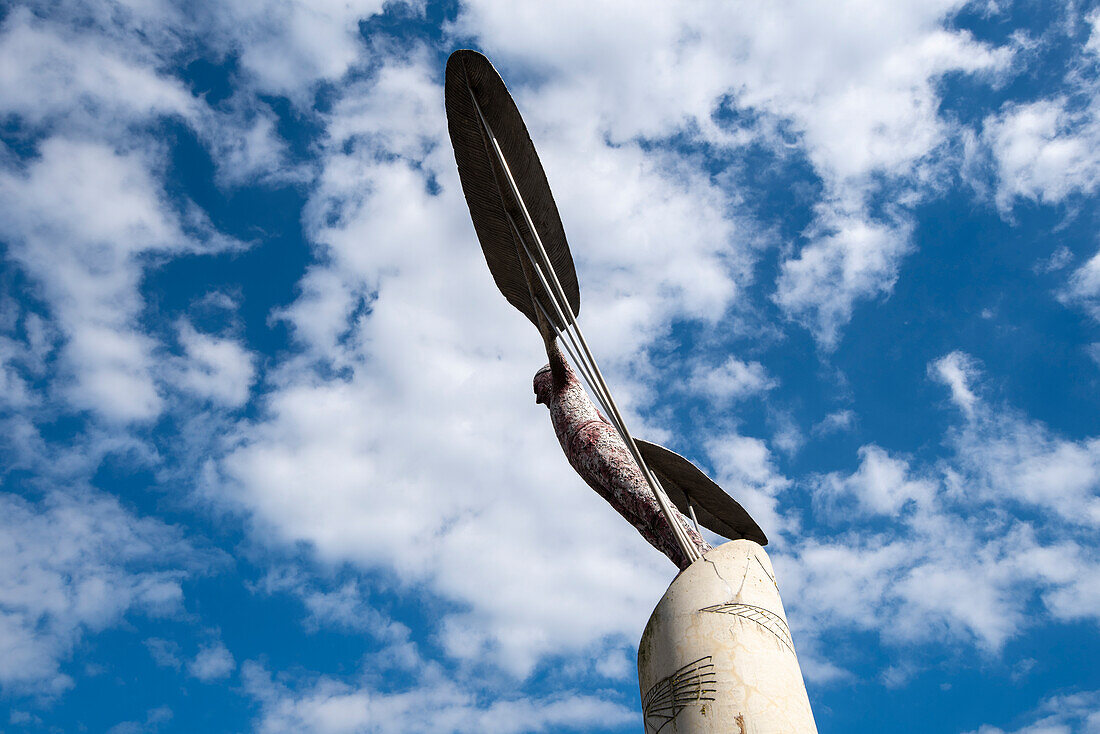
(707, 642)
(524, 243)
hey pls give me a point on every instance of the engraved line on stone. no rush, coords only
(766, 572)
(766, 618)
(670, 695)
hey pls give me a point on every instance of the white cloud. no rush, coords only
(903, 584)
(837, 421)
(1058, 259)
(1093, 350)
(731, 380)
(49, 75)
(216, 369)
(73, 565)
(83, 221)
(153, 719)
(1093, 44)
(786, 436)
(1083, 288)
(957, 371)
(616, 664)
(348, 606)
(165, 653)
(1027, 462)
(1005, 454)
(103, 79)
(955, 526)
(881, 485)
(1071, 713)
(282, 48)
(213, 662)
(437, 704)
(286, 47)
(853, 259)
(1044, 151)
(745, 468)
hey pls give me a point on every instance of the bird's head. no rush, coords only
(544, 385)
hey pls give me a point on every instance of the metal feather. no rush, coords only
(686, 484)
(473, 89)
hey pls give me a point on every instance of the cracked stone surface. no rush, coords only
(717, 655)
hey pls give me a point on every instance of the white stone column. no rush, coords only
(717, 654)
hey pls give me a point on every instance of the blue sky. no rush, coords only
(271, 459)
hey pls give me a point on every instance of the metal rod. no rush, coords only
(575, 352)
(584, 375)
(598, 390)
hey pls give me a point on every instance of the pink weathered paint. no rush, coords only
(596, 452)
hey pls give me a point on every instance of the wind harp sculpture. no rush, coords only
(717, 653)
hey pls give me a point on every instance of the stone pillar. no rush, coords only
(717, 655)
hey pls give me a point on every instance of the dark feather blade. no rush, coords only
(684, 482)
(488, 193)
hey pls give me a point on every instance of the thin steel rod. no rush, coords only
(584, 373)
(575, 352)
(586, 370)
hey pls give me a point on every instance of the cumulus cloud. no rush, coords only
(957, 370)
(901, 582)
(731, 380)
(881, 485)
(154, 718)
(214, 368)
(331, 706)
(837, 421)
(1071, 713)
(1008, 455)
(54, 76)
(853, 259)
(1044, 151)
(1083, 288)
(165, 653)
(76, 564)
(285, 47)
(213, 662)
(83, 219)
(1024, 460)
(746, 469)
(346, 606)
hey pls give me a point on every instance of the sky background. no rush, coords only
(270, 455)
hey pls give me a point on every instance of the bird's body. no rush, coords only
(596, 452)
